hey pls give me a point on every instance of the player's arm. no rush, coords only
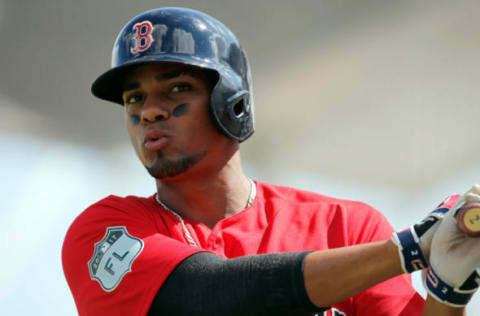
(434, 307)
(206, 284)
(454, 257)
(274, 284)
(355, 269)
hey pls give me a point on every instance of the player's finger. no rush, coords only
(472, 197)
(476, 189)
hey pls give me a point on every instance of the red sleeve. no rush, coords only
(393, 297)
(115, 258)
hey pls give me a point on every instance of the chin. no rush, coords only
(171, 168)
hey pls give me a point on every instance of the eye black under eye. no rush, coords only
(135, 119)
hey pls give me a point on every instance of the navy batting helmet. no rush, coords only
(189, 37)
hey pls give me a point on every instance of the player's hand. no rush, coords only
(414, 242)
(454, 258)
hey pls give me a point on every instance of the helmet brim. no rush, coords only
(109, 85)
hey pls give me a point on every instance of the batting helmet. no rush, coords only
(189, 37)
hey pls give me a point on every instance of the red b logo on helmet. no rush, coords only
(143, 36)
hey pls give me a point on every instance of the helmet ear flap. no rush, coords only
(235, 116)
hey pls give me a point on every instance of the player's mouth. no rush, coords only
(156, 143)
(155, 140)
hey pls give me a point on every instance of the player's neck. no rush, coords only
(210, 197)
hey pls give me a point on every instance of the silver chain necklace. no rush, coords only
(188, 236)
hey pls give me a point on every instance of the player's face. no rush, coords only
(167, 117)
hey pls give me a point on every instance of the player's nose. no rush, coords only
(154, 109)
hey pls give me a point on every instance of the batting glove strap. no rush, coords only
(446, 294)
(409, 249)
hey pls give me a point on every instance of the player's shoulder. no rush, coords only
(119, 201)
(117, 206)
(112, 210)
(357, 221)
(302, 196)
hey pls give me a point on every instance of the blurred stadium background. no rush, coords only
(369, 100)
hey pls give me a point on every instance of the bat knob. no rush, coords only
(468, 219)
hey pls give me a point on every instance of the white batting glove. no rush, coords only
(414, 242)
(455, 258)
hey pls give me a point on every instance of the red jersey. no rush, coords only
(118, 252)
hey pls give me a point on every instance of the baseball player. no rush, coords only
(211, 241)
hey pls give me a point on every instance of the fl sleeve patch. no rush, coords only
(113, 257)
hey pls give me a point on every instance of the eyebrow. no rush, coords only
(131, 86)
(188, 71)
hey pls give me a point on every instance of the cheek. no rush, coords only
(193, 117)
(133, 139)
(203, 129)
(181, 109)
(134, 136)
(147, 158)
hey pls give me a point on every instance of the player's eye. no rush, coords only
(133, 98)
(181, 88)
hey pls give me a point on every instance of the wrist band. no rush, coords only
(410, 251)
(445, 293)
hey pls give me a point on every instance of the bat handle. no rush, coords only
(468, 219)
